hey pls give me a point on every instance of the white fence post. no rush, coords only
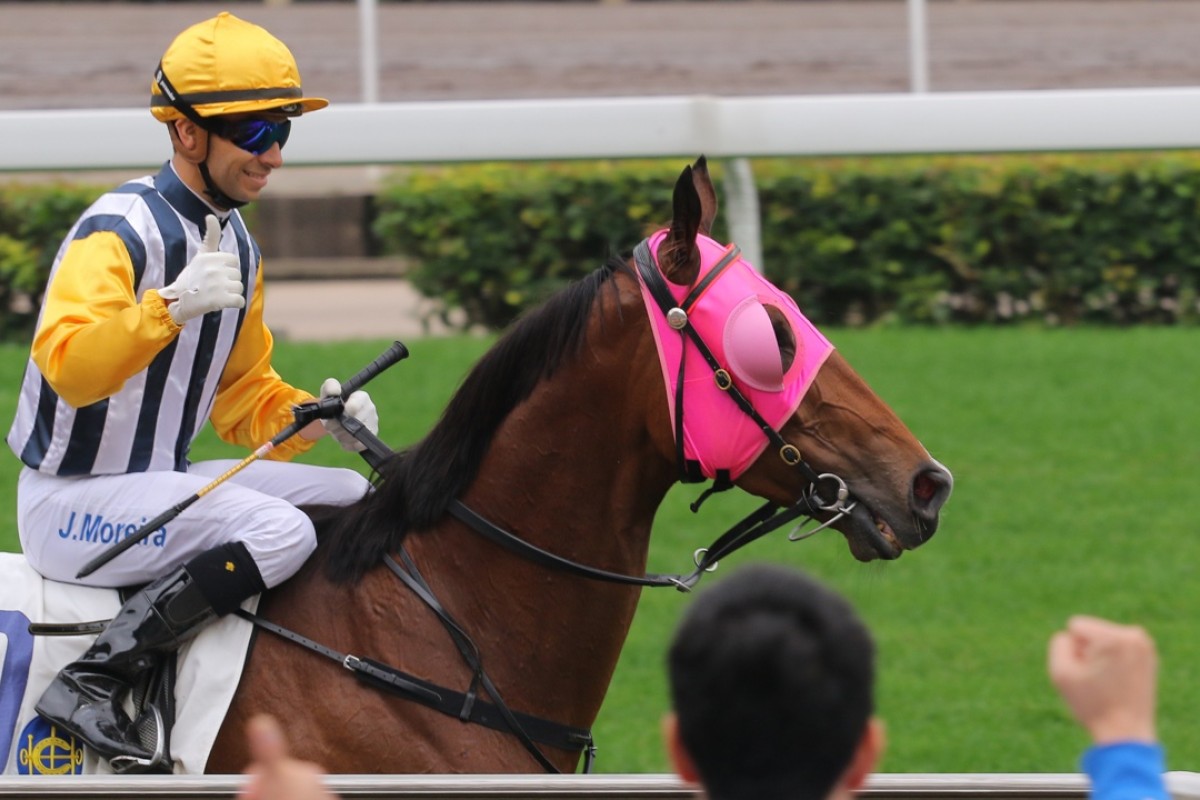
(918, 51)
(368, 35)
(741, 201)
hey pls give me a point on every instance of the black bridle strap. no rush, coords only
(689, 471)
(530, 552)
(765, 519)
(693, 296)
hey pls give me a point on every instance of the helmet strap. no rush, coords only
(183, 107)
(214, 193)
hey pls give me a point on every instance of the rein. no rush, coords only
(765, 519)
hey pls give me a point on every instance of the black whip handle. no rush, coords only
(396, 352)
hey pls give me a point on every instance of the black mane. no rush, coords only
(415, 486)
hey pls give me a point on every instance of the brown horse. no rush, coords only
(561, 435)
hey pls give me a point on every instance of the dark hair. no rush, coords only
(772, 678)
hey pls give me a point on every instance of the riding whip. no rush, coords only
(326, 408)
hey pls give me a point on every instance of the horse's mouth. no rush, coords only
(870, 536)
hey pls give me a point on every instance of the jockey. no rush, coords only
(152, 325)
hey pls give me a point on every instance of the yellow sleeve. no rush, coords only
(253, 403)
(94, 334)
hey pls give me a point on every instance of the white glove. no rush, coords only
(358, 405)
(212, 280)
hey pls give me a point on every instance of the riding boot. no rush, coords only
(87, 696)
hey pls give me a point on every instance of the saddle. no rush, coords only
(192, 690)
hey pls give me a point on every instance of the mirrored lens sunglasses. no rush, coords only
(256, 135)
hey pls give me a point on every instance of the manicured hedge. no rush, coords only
(495, 239)
(1059, 240)
(33, 221)
(1055, 239)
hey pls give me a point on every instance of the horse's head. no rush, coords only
(758, 396)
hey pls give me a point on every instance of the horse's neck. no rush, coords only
(574, 471)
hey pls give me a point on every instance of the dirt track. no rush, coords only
(89, 55)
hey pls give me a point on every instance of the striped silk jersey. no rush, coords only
(113, 384)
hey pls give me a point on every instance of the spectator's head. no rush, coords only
(772, 687)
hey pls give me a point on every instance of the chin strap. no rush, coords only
(219, 198)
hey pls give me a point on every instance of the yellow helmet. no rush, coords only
(226, 65)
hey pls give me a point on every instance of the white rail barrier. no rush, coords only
(721, 127)
(1182, 785)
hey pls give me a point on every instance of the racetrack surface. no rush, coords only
(100, 55)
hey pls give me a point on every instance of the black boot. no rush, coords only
(86, 697)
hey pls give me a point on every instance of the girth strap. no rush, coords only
(369, 670)
(448, 701)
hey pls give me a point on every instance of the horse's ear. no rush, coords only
(708, 195)
(678, 256)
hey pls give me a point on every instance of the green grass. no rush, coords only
(1075, 454)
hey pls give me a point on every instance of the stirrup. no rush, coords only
(149, 722)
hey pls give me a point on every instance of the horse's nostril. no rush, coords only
(930, 489)
(924, 487)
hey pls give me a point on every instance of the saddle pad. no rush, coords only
(210, 667)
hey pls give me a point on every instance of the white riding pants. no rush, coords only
(64, 523)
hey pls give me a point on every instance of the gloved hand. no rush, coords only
(212, 280)
(358, 405)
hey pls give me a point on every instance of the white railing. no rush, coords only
(721, 127)
(998, 786)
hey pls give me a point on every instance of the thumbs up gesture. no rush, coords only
(211, 282)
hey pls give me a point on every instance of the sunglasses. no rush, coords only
(255, 135)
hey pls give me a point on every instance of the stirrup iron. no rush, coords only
(149, 722)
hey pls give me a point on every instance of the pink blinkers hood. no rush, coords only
(731, 319)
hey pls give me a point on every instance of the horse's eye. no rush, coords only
(785, 337)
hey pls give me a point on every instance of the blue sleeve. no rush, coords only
(1126, 771)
